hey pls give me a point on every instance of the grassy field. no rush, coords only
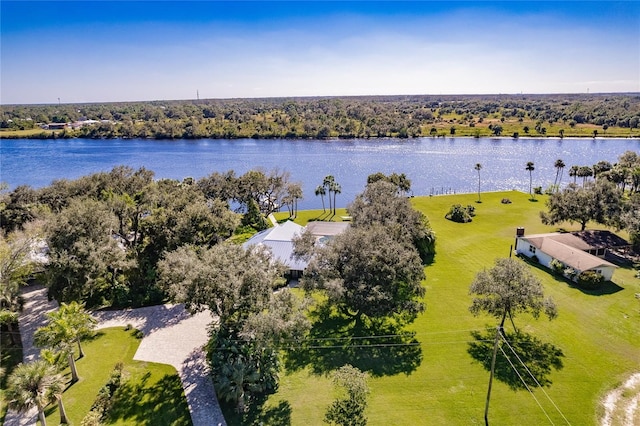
(151, 394)
(26, 133)
(598, 335)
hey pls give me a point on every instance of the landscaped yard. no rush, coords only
(598, 335)
(151, 393)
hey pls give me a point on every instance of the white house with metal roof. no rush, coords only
(279, 239)
(577, 250)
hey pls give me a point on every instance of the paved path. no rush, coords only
(171, 336)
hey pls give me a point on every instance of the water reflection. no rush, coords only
(432, 164)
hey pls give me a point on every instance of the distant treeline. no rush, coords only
(337, 117)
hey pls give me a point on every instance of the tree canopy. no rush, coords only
(599, 201)
(509, 288)
(381, 203)
(367, 271)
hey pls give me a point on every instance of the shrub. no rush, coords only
(535, 259)
(103, 401)
(557, 267)
(506, 201)
(537, 190)
(93, 418)
(570, 273)
(460, 214)
(590, 280)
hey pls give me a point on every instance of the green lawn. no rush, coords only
(151, 394)
(599, 335)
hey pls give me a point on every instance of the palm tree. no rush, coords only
(36, 384)
(337, 189)
(573, 172)
(530, 168)
(66, 326)
(321, 191)
(559, 165)
(478, 167)
(584, 172)
(327, 183)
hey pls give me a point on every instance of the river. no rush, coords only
(434, 165)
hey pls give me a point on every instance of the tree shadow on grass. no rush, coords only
(538, 356)
(142, 403)
(379, 347)
(258, 414)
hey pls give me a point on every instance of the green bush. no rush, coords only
(103, 401)
(460, 214)
(557, 267)
(590, 280)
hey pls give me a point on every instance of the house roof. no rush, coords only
(279, 239)
(569, 248)
(601, 239)
(326, 229)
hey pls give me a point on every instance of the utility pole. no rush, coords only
(493, 369)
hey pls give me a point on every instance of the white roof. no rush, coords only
(280, 240)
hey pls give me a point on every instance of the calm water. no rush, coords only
(433, 165)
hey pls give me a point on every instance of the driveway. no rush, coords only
(170, 336)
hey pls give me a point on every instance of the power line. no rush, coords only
(525, 384)
(536, 380)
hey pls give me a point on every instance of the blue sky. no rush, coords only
(98, 51)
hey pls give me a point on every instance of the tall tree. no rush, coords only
(85, 261)
(381, 203)
(36, 384)
(348, 409)
(530, 168)
(237, 286)
(321, 190)
(477, 168)
(328, 182)
(336, 189)
(67, 326)
(16, 266)
(368, 272)
(600, 201)
(507, 289)
(401, 181)
(559, 165)
(584, 172)
(573, 172)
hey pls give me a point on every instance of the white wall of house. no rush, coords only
(526, 249)
(606, 271)
(523, 247)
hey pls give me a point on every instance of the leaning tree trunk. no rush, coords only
(11, 333)
(72, 366)
(63, 412)
(81, 352)
(43, 420)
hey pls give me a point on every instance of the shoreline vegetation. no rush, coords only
(613, 115)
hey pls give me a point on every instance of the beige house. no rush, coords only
(580, 251)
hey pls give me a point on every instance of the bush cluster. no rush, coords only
(460, 214)
(590, 280)
(103, 402)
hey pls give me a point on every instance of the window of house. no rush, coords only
(532, 249)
